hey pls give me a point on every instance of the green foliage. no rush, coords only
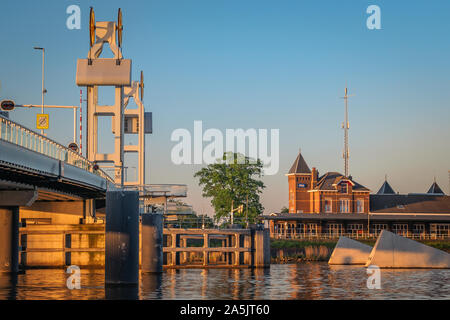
(284, 210)
(299, 244)
(234, 178)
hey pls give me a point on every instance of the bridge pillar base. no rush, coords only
(9, 239)
(152, 243)
(122, 237)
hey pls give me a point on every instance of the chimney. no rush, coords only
(314, 175)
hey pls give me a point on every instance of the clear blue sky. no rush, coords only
(260, 64)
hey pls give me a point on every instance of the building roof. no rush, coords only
(409, 203)
(435, 189)
(330, 179)
(299, 166)
(386, 189)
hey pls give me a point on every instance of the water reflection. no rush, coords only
(295, 281)
(122, 292)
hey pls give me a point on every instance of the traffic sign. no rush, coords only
(42, 121)
(7, 105)
(73, 146)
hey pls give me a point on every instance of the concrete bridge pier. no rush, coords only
(122, 238)
(152, 243)
(10, 201)
(9, 239)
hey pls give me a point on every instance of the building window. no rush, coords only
(400, 228)
(378, 227)
(290, 230)
(360, 206)
(312, 229)
(335, 229)
(300, 230)
(440, 229)
(344, 188)
(355, 229)
(328, 206)
(344, 205)
(418, 229)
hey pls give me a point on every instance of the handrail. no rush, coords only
(26, 138)
(169, 190)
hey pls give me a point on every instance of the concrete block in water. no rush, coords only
(348, 251)
(394, 251)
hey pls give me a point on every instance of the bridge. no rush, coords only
(42, 181)
(42, 176)
(30, 161)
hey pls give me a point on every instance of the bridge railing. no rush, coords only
(17, 134)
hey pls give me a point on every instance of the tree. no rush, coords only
(233, 179)
(284, 210)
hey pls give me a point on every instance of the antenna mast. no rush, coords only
(346, 127)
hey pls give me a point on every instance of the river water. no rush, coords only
(282, 281)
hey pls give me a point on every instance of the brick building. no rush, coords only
(330, 193)
(333, 205)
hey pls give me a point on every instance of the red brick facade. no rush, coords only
(331, 193)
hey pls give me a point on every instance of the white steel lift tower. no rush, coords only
(94, 72)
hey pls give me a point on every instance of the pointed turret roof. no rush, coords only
(299, 166)
(386, 189)
(435, 189)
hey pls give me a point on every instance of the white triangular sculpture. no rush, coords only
(394, 251)
(348, 251)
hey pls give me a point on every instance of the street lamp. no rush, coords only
(43, 90)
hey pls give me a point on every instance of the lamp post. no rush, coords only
(43, 89)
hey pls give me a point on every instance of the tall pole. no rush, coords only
(246, 213)
(231, 218)
(346, 127)
(346, 133)
(75, 125)
(43, 88)
(81, 122)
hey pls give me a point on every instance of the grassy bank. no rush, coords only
(295, 251)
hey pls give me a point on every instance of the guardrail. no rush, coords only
(19, 135)
(156, 190)
(363, 236)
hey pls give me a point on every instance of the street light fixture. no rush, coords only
(43, 89)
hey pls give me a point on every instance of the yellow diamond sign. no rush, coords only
(42, 121)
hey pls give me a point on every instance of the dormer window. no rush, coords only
(343, 188)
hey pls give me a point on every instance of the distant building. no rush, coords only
(333, 204)
(330, 193)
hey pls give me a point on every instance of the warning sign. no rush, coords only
(42, 121)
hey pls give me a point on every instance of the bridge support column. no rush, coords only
(206, 246)
(122, 237)
(152, 243)
(9, 239)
